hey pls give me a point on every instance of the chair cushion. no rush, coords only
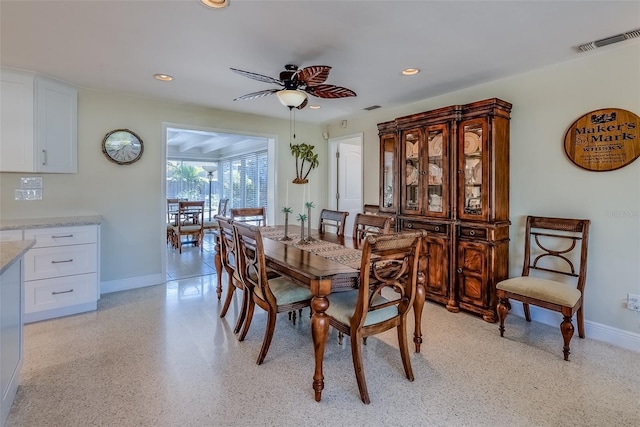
(210, 224)
(342, 305)
(542, 289)
(286, 292)
(189, 228)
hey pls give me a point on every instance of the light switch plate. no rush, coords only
(31, 182)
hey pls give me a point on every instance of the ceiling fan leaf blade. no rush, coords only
(254, 95)
(313, 75)
(258, 77)
(304, 104)
(329, 91)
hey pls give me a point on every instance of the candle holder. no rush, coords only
(286, 212)
(309, 205)
(302, 218)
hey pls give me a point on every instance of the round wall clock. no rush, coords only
(122, 146)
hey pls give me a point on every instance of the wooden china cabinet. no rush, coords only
(447, 171)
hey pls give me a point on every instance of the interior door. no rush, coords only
(345, 172)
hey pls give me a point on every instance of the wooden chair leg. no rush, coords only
(247, 322)
(404, 349)
(580, 316)
(268, 335)
(566, 327)
(502, 310)
(356, 354)
(243, 310)
(227, 302)
(527, 312)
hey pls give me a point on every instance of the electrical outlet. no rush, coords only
(633, 302)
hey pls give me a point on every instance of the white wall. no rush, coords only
(130, 197)
(543, 180)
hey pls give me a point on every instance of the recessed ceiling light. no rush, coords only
(314, 107)
(215, 4)
(410, 71)
(163, 77)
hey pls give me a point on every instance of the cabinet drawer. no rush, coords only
(474, 233)
(59, 292)
(430, 227)
(42, 263)
(46, 237)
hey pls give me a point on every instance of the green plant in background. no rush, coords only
(189, 178)
(304, 157)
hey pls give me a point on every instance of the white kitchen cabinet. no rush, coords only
(11, 336)
(61, 271)
(38, 127)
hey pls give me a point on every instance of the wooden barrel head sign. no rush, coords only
(604, 140)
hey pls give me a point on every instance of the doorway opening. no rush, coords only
(209, 164)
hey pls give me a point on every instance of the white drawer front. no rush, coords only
(10, 235)
(46, 237)
(60, 292)
(43, 263)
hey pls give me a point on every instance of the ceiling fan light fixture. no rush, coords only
(215, 4)
(291, 98)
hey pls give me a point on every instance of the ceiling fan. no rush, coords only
(295, 83)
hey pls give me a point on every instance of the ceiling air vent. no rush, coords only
(373, 107)
(609, 40)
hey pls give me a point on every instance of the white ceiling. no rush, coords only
(118, 45)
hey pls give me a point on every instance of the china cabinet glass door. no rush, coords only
(412, 185)
(473, 188)
(389, 173)
(437, 170)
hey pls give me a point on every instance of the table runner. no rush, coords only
(333, 251)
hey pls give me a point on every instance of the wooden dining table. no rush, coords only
(322, 276)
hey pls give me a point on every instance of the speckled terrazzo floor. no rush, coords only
(161, 356)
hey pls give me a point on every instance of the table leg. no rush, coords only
(218, 263)
(319, 333)
(418, 305)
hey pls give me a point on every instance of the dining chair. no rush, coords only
(172, 212)
(554, 273)
(228, 257)
(367, 224)
(222, 206)
(390, 267)
(371, 209)
(254, 216)
(275, 295)
(332, 219)
(222, 211)
(190, 224)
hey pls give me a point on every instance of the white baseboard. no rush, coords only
(593, 330)
(131, 283)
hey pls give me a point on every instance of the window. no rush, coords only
(189, 180)
(244, 180)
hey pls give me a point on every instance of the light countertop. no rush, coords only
(10, 252)
(66, 221)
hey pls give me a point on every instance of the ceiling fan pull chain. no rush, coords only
(294, 122)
